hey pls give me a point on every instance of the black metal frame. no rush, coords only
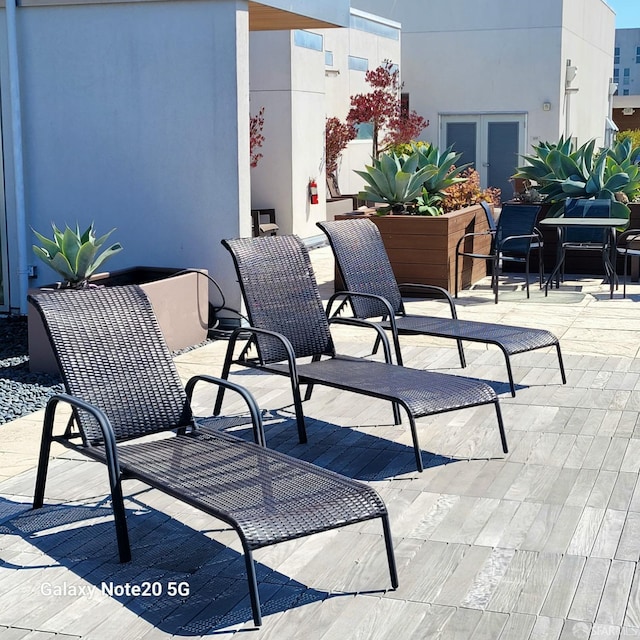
(198, 436)
(364, 266)
(423, 392)
(624, 249)
(500, 251)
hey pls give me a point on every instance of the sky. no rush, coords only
(627, 13)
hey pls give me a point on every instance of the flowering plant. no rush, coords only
(256, 123)
(382, 108)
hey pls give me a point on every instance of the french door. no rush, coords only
(492, 143)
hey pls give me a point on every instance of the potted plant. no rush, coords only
(428, 210)
(180, 297)
(557, 171)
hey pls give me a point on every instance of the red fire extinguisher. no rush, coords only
(313, 191)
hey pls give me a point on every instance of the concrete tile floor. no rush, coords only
(540, 543)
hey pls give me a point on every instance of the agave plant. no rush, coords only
(563, 173)
(447, 173)
(74, 255)
(394, 179)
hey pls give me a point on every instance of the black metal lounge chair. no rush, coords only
(288, 322)
(122, 384)
(373, 292)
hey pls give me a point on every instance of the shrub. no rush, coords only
(464, 194)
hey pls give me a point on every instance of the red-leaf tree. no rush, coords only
(337, 136)
(382, 108)
(255, 136)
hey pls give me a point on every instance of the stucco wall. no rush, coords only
(497, 56)
(136, 116)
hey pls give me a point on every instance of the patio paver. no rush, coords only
(540, 543)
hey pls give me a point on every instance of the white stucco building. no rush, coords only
(493, 75)
(134, 115)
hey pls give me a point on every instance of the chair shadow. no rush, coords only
(356, 453)
(211, 578)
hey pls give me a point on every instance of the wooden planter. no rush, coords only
(422, 248)
(180, 302)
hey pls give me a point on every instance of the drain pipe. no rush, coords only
(18, 169)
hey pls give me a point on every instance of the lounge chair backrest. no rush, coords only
(281, 294)
(111, 353)
(363, 264)
(516, 220)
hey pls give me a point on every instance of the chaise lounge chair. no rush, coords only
(288, 322)
(122, 384)
(372, 292)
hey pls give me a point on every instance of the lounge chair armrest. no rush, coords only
(254, 411)
(443, 293)
(359, 322)
(100, 417)
(347, 295)
(286, 343)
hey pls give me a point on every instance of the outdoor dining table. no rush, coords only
(562, 224)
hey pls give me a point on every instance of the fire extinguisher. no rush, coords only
(313, 191)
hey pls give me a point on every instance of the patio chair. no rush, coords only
(122, 385)
(628, 246)
(599, 240)
(514, 238)
(372, 292)
(288, 322)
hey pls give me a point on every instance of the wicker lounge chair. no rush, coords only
(122, 384)
(373, 292)
(288, 322)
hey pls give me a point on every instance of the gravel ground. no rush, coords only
(21, 391)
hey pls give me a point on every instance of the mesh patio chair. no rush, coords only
(288, 322)
(514, 238)
(372, 292)
(628, 246)
(122, 385)
(586, 239)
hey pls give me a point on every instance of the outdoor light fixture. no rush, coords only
(546, 106)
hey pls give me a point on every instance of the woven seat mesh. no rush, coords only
(281, 295)
(112, 354)
(365, 268)
(269, 496)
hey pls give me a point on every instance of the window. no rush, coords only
(616, 55)
(404, 104)
(626, 72)
(308, 40)
(371, 26)
(328, 58)
(625, 92)
(358, 64)
(616, 75)
(364, 131)
(637, 55)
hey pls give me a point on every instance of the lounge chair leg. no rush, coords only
(253, 585)
(503, 435)
(561, 364)
(397, 417)
(463, 360)
(297, 405)
(509, 373)
(416, 444)
(119, 515)
(226, 368)
(45, 450)
(393, 572)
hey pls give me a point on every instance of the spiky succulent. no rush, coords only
(74, 255)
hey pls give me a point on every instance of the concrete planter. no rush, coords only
(180, 302)
(422, 248)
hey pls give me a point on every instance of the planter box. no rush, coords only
(422, 248)
(180, 302)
